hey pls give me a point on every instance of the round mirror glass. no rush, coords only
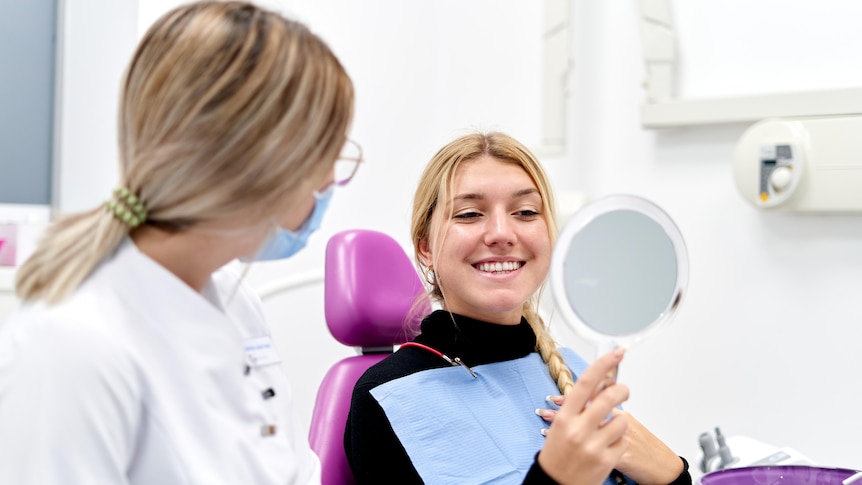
(618, 270)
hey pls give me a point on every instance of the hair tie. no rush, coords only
(127, 207)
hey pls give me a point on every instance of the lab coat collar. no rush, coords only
(168, 305)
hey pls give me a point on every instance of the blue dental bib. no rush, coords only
(458, 429)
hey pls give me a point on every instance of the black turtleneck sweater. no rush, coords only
(373, 450)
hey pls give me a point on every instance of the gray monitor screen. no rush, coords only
(28, 37)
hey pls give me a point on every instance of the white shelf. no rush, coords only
(683, 112)
(7, 279)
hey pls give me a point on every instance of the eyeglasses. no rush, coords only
(347, 163)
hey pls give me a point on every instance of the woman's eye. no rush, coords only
(467, 215)
(527, 213)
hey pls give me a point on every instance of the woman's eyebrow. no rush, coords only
(468, 196)
(515, 195)
(524, 192)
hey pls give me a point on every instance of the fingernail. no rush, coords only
(544, 431)
(553, 399)
(545, 413)
(619, 351)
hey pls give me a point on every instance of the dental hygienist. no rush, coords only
(134, 358)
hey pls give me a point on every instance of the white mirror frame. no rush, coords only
(580, 220)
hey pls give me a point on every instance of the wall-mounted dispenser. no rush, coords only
(802, 164)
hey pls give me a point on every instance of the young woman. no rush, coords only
(483, 230)
(135, 358)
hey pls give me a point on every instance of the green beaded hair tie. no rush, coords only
(127, 208)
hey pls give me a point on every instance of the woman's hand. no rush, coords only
(583, 445)
(647, 460)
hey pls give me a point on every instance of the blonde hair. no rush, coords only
(434, 189)
(226, 108)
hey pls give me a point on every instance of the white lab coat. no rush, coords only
(138, 379)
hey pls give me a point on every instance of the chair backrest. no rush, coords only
(370, 286)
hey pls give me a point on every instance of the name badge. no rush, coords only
(260, 352)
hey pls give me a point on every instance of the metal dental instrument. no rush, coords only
(456, 361)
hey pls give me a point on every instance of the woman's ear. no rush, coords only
(425, 252)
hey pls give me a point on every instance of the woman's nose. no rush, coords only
(500, 230)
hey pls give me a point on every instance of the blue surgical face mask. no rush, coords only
(285, 243)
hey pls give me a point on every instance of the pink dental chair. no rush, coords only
(370, 286)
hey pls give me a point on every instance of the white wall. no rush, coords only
(98, 37)
(765, 344)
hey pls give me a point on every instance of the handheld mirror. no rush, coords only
(618, 271)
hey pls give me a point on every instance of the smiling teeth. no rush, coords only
(498, 267)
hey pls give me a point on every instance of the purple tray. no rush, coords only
(783, 475)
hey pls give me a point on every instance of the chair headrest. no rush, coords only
(370, 287)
